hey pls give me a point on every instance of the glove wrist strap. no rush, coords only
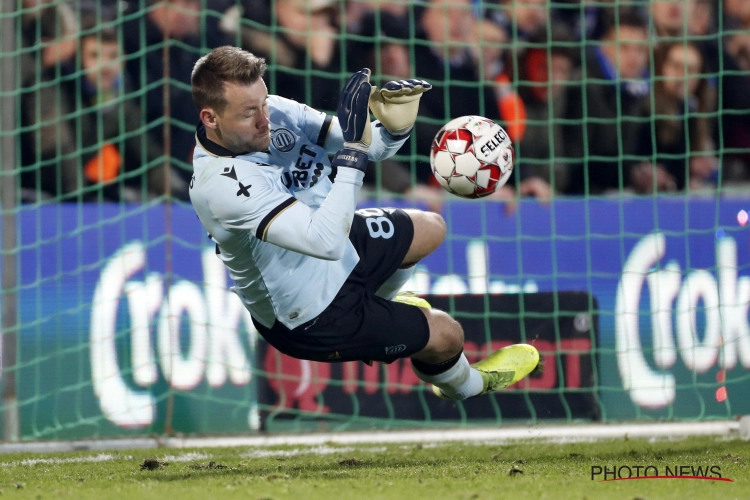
(352, 158)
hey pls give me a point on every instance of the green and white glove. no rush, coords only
(397, 103)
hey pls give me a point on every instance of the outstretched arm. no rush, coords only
(384, 145)
(324, 233)
(395, 106)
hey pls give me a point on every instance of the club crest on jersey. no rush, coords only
(283, 140)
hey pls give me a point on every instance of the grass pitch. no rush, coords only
(517, 471)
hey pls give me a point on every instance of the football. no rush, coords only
(471, 156)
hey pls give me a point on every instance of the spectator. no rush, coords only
(702, 22)
(447, 56)
(47, 37)
(589, 26)
(520, 19)
(308, 30)
(735, 83)
(682, 100)
(737, 12)
(672, 18)
(452, 32)
(703, 30)
(678, 20)
(602, 113)
(517, 20)
(304, 51)
(357, 12)
(543, 77)
(387, 53)
(51, 30)
(144, 38)
(249, 25)
(90, 140)
(385, 48)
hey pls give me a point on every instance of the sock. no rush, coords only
(459, 381)
(436, 369)
(392, 285)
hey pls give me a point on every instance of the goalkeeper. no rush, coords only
(318, 277)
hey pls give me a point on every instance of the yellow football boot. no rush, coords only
(505, 367)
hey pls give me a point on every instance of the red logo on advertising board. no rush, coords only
(300, 383)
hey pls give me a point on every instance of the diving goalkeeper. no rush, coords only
(318, 277)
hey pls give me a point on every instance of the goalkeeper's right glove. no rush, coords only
(354, 117)
(397, 103)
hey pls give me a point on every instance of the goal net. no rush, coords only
(619, 247)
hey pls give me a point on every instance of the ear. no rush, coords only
(208, 118)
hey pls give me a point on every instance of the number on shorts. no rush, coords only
(378, 225)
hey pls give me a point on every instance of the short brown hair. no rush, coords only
(105, 35)
(223, 65)
(91, 28)
(628, 16)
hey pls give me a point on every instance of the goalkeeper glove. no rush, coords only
(354, 117)
(397, 103)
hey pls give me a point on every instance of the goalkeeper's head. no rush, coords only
(231, 97)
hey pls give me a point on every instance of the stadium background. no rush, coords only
(116, 316)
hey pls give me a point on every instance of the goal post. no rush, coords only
(8, 155)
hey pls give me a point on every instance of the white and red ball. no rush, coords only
(472, 156)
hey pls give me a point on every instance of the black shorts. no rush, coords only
(358, 325)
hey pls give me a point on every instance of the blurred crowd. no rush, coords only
(598, 97)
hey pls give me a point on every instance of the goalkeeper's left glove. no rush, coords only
(397, 103)
(354, 117)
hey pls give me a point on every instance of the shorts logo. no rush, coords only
(283, 140)
(395, 349)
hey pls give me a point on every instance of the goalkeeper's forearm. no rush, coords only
(321, 233)
(384, 145)
(324, 233)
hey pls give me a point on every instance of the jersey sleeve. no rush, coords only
(323, 232)
(324, 130)
(247, 200)
(383, 146)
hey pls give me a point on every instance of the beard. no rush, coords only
(242, 144)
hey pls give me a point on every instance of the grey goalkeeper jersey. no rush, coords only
(237, 198)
